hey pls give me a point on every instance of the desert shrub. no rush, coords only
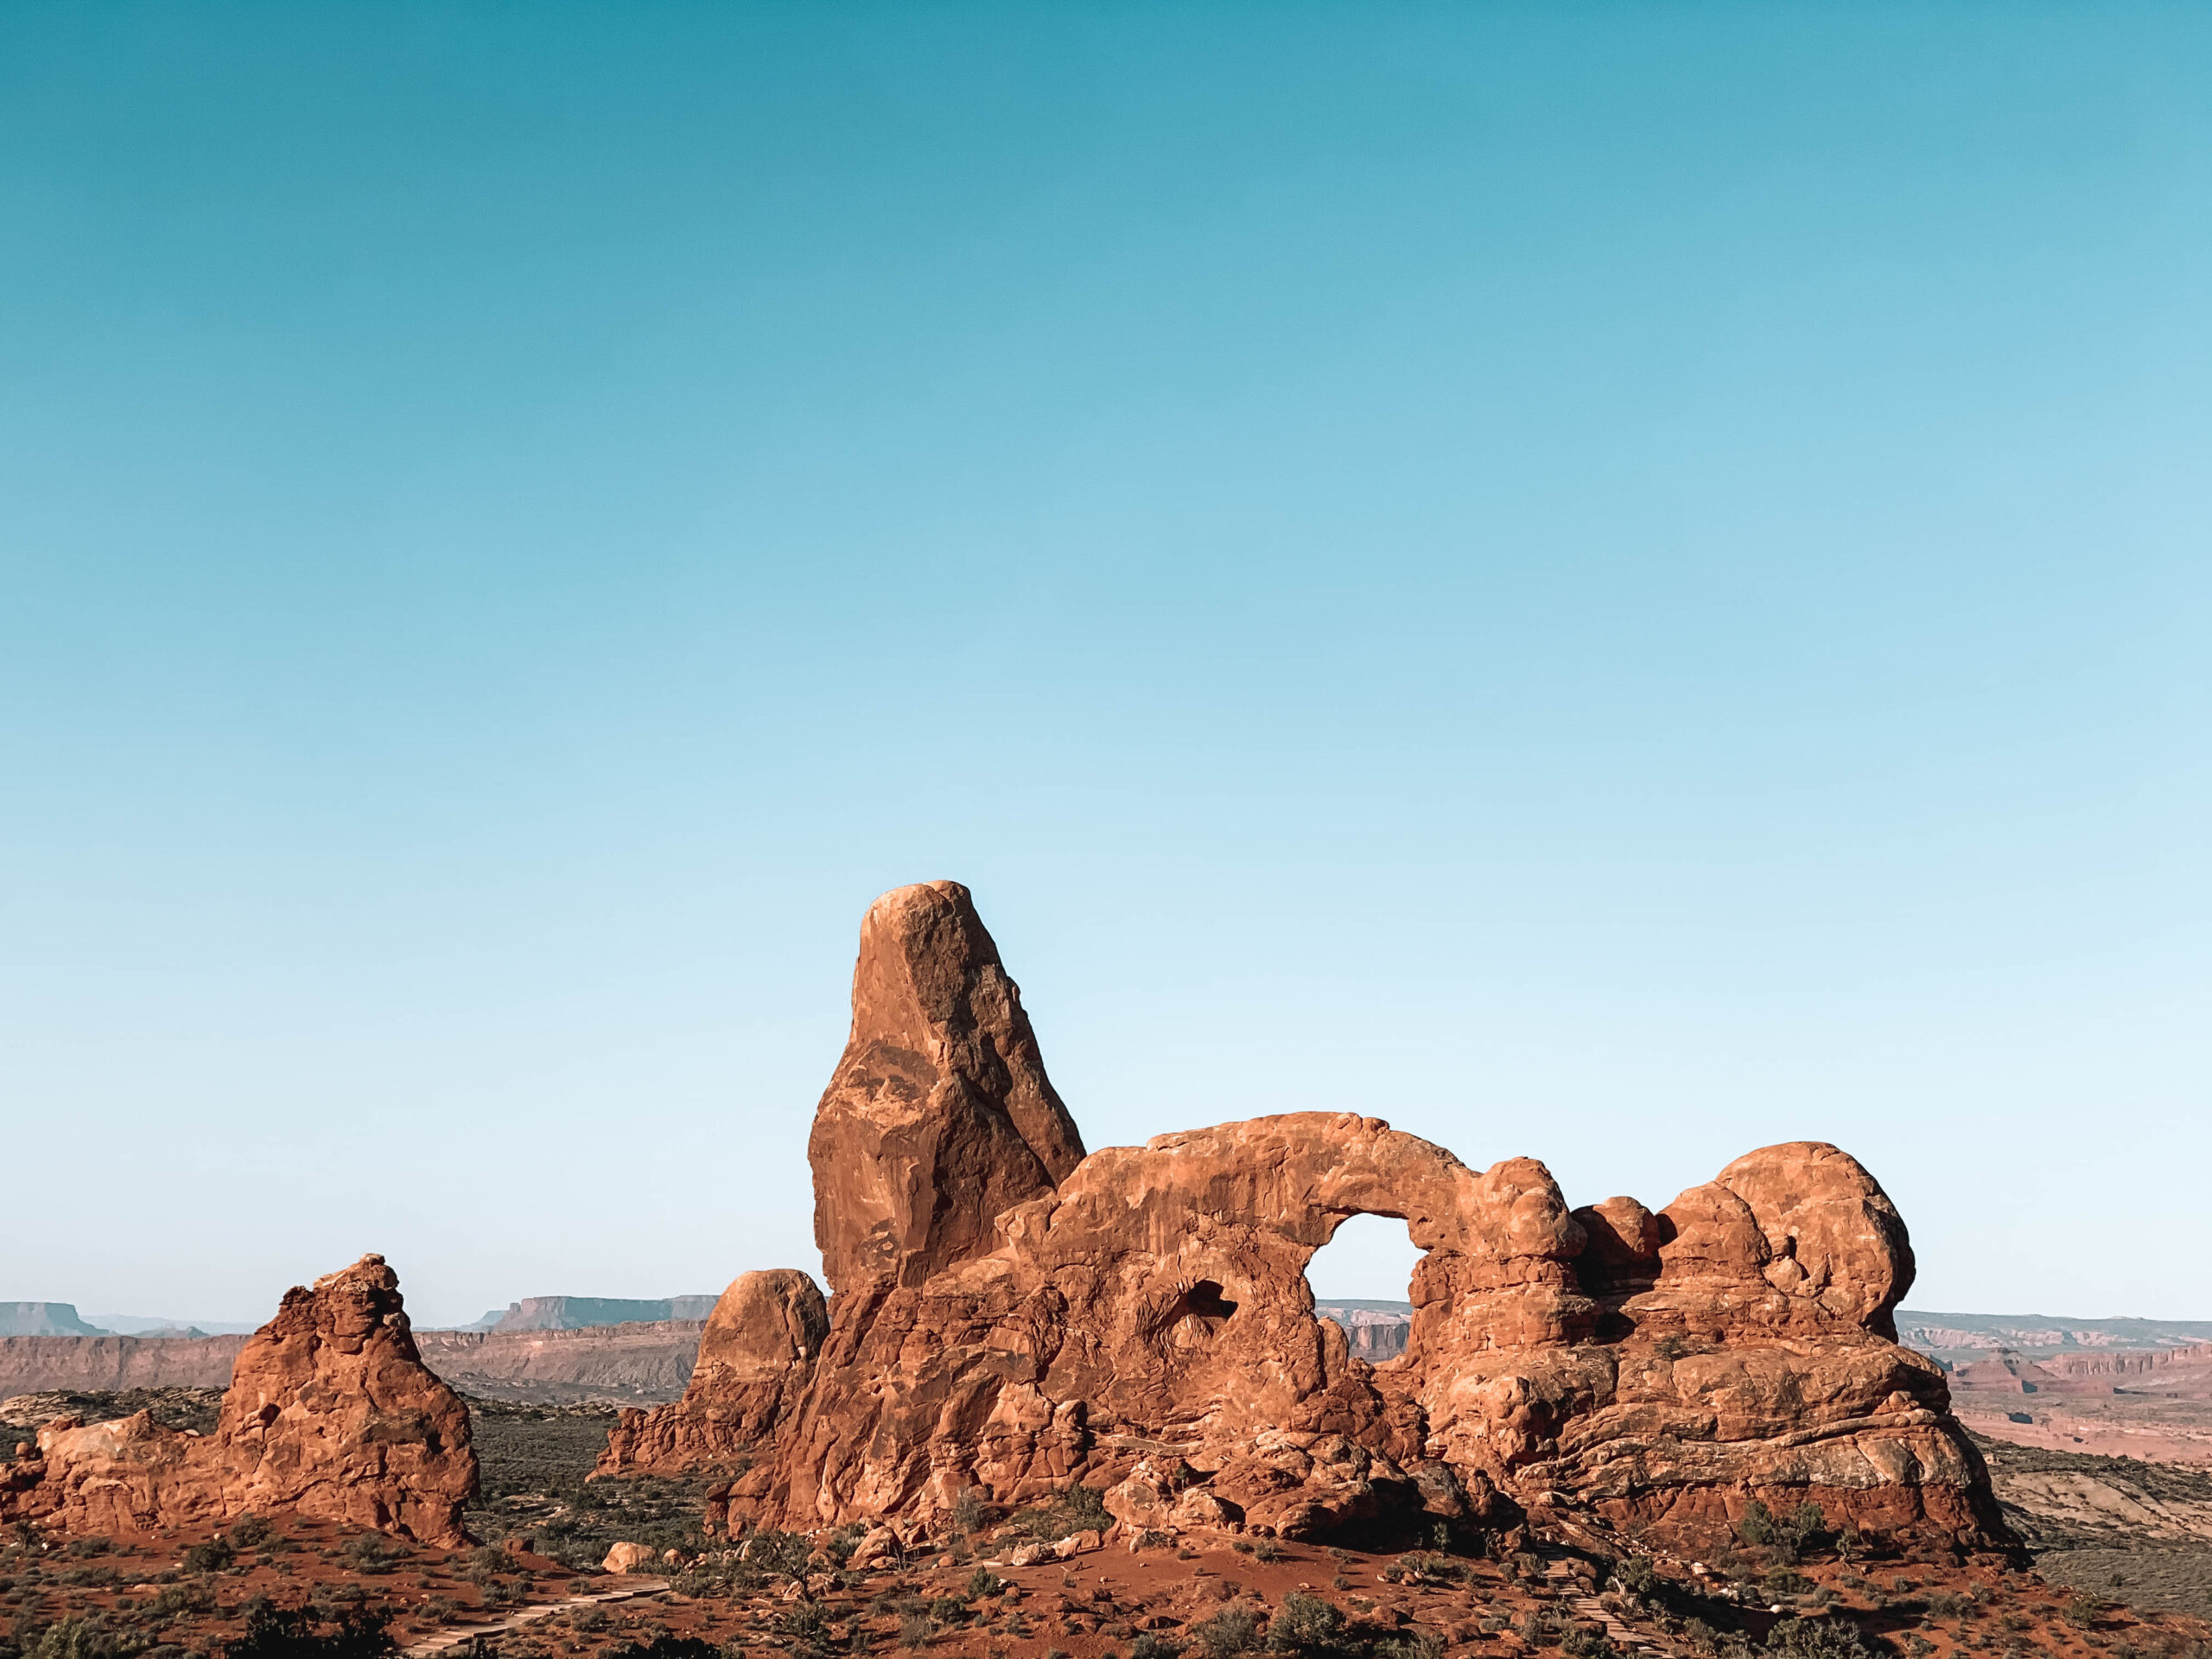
(81, 1547)
(250, 1531)
(87, 1637)
(1150, 1644)
(587, 1618)
(915, 1631)
(803, 1621)
(967, 1511)
(1948, 1605)
(1636, 1575)
(273, 1632)
(370, 1552)
(778, 1555)
(1229, 1632)
(664, 1646)
(1392, 1574)
(984, 1582)
(216, 1555)
(842, 1542)
(1421, 1564)
(1818, 1638)
(1781, 1581)
(1423, 1644)
(1267, 1549)
(1588, 1641)
(1807, 1529)
(1306, 1625)
(1757, 1527)
(174, 1599)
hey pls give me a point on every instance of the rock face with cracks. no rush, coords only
(330, 1415)
(1012, 1317)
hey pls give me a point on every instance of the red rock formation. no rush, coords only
(755, 1358)
(330, 1415)
(939, 1116)
(1012, 1317)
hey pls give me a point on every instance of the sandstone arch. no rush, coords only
(1012, 1315)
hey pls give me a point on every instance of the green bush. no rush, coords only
(369, 1552)
(1306, 1625)
(1151, 1645)
(273, 1632)
(665, 1647)
(780, 1554)
(1636, 1575)
(1229, 1632)
(216, 1555)
(1818, 1638)
(1757, 1527)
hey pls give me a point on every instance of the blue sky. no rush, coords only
(1615, 583)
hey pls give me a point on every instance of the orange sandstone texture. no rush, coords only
(331, 1415)
(1012, 1316)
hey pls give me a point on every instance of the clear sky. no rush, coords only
(1621, 583)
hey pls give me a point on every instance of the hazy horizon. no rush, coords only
(1614, 584)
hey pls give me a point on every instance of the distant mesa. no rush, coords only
(1954, 1339)
(584, 1313)
(44, 1319)
(142, 1324)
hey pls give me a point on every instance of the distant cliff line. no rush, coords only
(640, 1362)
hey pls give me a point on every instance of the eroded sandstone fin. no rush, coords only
(939, 1116)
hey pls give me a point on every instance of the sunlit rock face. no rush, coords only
(1013, 1316)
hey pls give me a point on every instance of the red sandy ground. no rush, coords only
(1089, 1607)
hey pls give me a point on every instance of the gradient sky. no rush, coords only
(1617, 583)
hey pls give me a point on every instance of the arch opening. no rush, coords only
(1362, 1280)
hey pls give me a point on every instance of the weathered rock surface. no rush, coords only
(1012, 1317)
(330, 1415)
(754, 1360)
(939, 1116)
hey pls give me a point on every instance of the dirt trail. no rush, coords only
(450, 1637)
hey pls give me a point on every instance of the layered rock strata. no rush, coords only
(1012, 1317)
(330, 1415)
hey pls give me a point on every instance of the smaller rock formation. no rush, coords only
(330, 1415)
(754, 1359)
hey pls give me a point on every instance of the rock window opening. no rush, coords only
(1362, 1279)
